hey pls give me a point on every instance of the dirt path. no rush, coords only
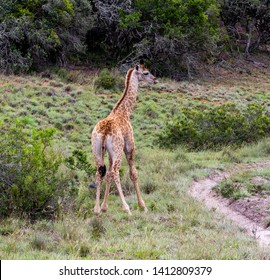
(202, 191)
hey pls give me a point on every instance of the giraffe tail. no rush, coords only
(102, 170)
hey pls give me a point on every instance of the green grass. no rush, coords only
(246, 183)
(176, 226)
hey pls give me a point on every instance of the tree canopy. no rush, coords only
(174, 35)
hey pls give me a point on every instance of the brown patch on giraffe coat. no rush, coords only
(112, 123)
(105, 126)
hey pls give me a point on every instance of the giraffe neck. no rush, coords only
(126, 103)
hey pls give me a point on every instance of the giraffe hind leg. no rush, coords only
(116, 177)
(98, 151)
(104, 205)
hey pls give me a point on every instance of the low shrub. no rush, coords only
(78, 161)
(232, 189)
(105, 80)
(215, 127)
(30, 184)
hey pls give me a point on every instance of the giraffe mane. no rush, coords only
(128, 77)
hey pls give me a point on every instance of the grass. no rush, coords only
(246, 183)
(249, 182)
(176, 226)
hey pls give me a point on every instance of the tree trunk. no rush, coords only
(248, 43)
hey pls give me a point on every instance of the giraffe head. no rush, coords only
(143, 74)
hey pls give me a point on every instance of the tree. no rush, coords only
(172, 34)
(247, 22)
(37, 32)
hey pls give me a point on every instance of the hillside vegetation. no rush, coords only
(176, 226)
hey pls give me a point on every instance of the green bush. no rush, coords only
(29, 181)
(216, 127)
(78, 161)
(105, 80)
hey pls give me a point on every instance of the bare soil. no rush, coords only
(251, 214)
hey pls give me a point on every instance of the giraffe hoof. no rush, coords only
(97, 210)
(127, 210)
(104, 209)
(143, 207)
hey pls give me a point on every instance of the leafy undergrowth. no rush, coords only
(245, 184)
(176, 226)
(202, 128)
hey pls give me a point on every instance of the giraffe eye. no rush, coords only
(146, 73)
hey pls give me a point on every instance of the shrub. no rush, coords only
(149, 187)
(216, 127)
(29, 181)
(78, 161)
(105, 80)
(97, 227)
(231, 189)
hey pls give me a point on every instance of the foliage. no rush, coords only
(78, 161)
(230, 189)
(245, 183)
(37, 32)
(98, 228)
(247, 22)
(169, 33)
(105, 80)
(215, 127)
(29, 180)
(176, 36)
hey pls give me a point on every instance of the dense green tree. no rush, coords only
(34, 32)
(247, 22)
(177, 36)
(171, 33)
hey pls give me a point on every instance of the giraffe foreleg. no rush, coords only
(97, 209)
(98, 151)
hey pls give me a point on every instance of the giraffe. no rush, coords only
(114, 134)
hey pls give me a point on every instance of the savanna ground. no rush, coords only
(176, 226)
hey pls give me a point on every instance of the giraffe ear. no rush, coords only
(137, 67)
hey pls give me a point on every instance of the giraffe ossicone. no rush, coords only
(114, 134)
